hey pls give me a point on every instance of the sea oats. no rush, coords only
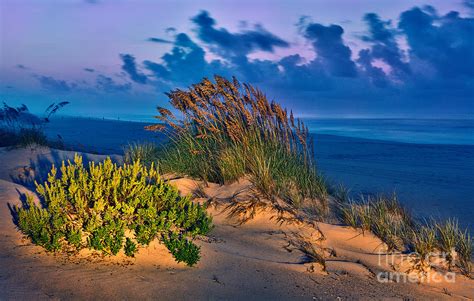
(226, 120)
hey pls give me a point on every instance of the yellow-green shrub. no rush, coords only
(94, 207)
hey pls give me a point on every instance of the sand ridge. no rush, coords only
(251, 261)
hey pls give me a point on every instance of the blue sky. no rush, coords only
(322, 58)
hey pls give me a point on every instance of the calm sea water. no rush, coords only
(428, 163)
(425, 131)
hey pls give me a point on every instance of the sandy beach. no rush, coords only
(251, 261)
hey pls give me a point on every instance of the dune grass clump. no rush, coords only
(387, 219)
(32, 136)
(383, 216)
(424, 241)
(454, 242)
(464, 247)
(146, 153)
(349, 214)
(19, 127)
(108, 208)
(391, 221)
(448, 235)
(229, 130)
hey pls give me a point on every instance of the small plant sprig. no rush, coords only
(182, 249)
(130, 247)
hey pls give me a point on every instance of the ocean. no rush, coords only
(428, 163)
(418, 131)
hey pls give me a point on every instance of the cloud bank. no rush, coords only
(423, 61)
(437, 64)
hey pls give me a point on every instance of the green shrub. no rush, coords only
(182, 249)
(38, 224)
(130, 247)
(229, 130)
(74, 237)
(108, 238)
(103, 201)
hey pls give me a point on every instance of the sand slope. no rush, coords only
(251, 261)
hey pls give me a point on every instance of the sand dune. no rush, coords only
(255, 260)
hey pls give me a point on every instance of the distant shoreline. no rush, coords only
(317, 126)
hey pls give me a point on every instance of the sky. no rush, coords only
(328, 58)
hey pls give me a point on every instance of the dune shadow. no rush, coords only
(24, 204)
(37, 172)
(38, 169)
(13, 209)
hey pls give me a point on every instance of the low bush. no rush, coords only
(182, 249)
(94, 207)
(130, 247)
